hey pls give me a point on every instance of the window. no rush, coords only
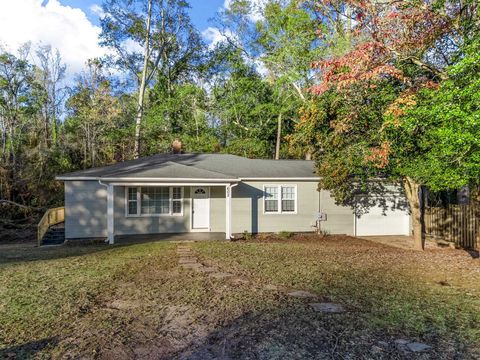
(176, 200)
(271, 198)
(280, 199)
(132, 202)
(288, 199)
(154, 200)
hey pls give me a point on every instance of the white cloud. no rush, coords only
(260, 67)
(213, 36)
(63, 27)
(97, 10)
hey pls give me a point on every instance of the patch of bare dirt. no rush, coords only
(24, 234)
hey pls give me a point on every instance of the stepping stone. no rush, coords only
(219, 275)
(327, 307)
(301, 294)
(187, 261)
(418, 347)
(192, 266)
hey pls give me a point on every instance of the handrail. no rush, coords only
(51, 217)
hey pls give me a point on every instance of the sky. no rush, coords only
(72, 26)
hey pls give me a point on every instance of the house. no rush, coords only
(216, 193)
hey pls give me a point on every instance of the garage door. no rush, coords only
(381, 221)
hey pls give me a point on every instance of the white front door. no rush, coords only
(200, 208)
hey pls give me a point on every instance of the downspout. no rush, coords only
(230, 212)
(106, 185)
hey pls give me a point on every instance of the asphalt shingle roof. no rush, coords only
(199, 166)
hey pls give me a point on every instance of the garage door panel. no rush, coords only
(383, 220)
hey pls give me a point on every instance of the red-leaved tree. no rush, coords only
(407, 42)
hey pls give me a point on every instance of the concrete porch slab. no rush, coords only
(177, 237)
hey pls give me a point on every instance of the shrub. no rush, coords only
(247, 235)
(285, 234)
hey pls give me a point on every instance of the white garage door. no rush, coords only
(380, 221)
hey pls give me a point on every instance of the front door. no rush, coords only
(200, 208)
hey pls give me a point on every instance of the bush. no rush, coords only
(247, 235)
(285, 234)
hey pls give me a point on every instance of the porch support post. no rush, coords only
(110, 218)
(228, 212)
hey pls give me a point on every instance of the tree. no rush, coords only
(179, 112)
(16, 103)
(282, 43)
(401, 43)
(49, 75)
(437, 129)
(288, 44)
(144, 34)
(93, 114)
(245, 107)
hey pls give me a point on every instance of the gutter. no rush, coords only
(86, 178)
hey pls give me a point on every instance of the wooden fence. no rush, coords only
(51, 217)
(458, 224)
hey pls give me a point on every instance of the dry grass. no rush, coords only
(134, 301)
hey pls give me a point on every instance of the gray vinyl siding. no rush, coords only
(248, 208)
(168, 224)
(217, 209)
(85, 210)
(124, 225)
(340, 219)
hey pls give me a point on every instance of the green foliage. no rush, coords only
(178, 112)
(437, 139)
(247, 235)
(244, 104)
(94, 113)
(342, 143)
(285, 234)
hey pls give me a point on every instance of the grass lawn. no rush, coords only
(135, 301)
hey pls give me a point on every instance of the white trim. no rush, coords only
(279, 200)
(280, 179)
(192, 229)
(66, 178)
(110, 214)
(206, 180)
(139, 202)
(228, 212)
(134, 184)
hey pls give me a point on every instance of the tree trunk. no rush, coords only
(279, 136)
(141, 92)
(412, 191)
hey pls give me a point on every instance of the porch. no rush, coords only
(158, 211)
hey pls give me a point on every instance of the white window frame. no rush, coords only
(279, 199)
(139, 202)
